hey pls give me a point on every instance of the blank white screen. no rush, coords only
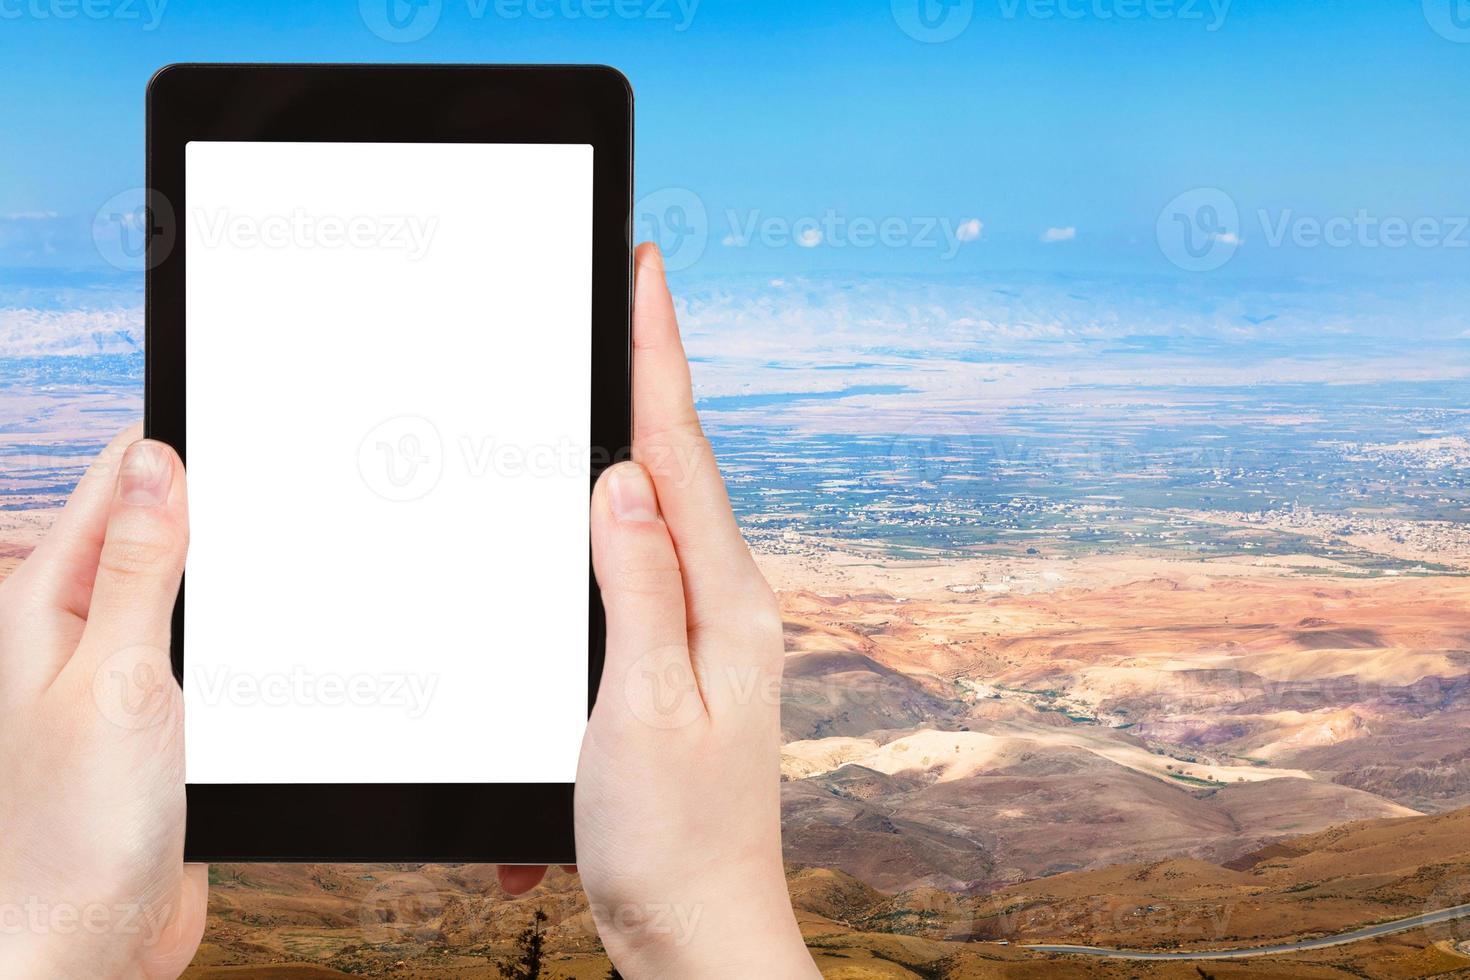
(388, 357)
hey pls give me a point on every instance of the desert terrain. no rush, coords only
(312, 922)
(1159, 669)
(966, 725)
(1129, 751)
(1138, 753)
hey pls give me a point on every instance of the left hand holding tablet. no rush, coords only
(677, 800)
(92, 877)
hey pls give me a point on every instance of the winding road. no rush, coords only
(1341, 939)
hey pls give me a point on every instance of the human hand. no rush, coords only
(678, 789)
(92, 876)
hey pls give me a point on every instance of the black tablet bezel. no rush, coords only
(500, 823)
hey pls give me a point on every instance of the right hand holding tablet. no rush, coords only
(678, 791)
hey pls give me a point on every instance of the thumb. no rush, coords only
(142, 556)
(647, 669)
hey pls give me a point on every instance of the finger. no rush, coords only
(50, 592)
(647, 668)
(141, 559)
(719, 574)
(519, 879)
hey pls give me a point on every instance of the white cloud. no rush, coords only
(733, 240)
(28, 237)
(980, 344)
(30, 333)
(970, 230)
(809, 238)
(1059, 234)
(1228, 238)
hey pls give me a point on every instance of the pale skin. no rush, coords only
(677, 805)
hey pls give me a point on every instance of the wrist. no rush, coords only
(29, 957)
(752, 932)
(760, 954)
(47, 939)
(24, 959)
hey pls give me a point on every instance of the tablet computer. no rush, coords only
(388, 331)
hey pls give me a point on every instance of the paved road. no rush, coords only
(1341, 939)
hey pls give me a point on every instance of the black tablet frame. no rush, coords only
(500, 823)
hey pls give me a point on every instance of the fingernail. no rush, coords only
(146, 476)
(632, 494)
(655, 256)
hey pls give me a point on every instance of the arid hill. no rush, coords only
(971, 725)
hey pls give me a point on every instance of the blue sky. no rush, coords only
(1085, 117)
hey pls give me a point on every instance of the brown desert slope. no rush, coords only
(974, 724)
(829, 693)
(1319, 884)
(1050, 813)
(444, 922)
